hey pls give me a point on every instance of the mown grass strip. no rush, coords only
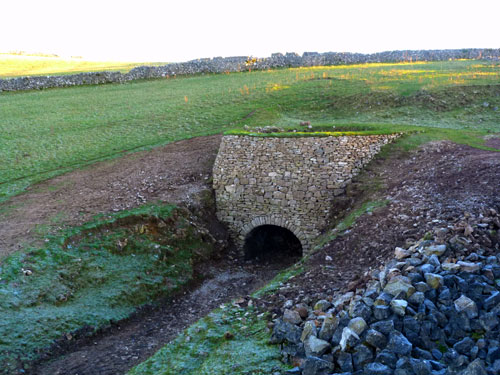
(303, 134)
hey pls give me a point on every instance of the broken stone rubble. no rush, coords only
(449, 322)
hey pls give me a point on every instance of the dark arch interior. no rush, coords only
(271, 242)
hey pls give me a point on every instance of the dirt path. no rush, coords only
(170, 173)
(131, 342)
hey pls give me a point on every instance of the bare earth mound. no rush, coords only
(439, 184)
(171, 173)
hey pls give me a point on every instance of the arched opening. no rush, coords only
(272, 243)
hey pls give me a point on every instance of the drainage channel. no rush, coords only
(130, 342)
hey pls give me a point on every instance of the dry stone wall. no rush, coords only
(244, 63)
(288, 182)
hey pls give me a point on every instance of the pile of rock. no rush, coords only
(429, 311)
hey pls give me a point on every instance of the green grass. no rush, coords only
(301, 134)
(229, 341)
(91, 275)
(46, 133)
(12, 65)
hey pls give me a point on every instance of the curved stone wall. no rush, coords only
(272, 220)
(288, 182)
(242, 63)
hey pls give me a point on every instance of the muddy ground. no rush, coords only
(426, 188)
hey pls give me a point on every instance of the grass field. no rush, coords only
(73, 280)
(12, 65)
(45, 133)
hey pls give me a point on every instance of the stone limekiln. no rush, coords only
(286, 182)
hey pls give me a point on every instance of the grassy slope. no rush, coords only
(45, 133)
(92, 275)
(24, 65)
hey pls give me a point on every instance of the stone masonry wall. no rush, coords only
(289, 182)
(243, 63)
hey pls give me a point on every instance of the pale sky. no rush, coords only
(149, 30)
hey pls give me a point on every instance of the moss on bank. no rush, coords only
(230, 340)
(92, 275)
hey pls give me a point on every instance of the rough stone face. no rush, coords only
(376, 339)
(469, 266)
(464, 346)
(358, 325)
(387, 358)
(349, 338)
(283, 331)
(451, 324)
(399, 344)
(344, 360)
(309, 330)
(417, 298)
(399, 284)
(328, 327)
(381, 312)
(400, 253)
(452, 267)
(317, 366)
(492, 300)
(466, 305)
(435, 250)
(292, 316)
(361, 356)
(399, 306)
(315, 347)
(322, 305)
(294, 180)
(376, 368)
(475, 368)
(433, 280)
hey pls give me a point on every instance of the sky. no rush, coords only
(182, 30)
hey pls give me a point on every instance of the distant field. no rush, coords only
(45, 133)
(25, 65)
